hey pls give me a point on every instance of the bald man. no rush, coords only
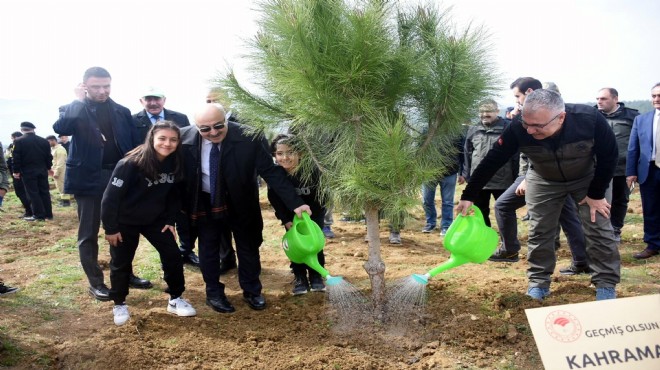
(222, 160)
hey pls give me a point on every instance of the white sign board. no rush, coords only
(612, 334)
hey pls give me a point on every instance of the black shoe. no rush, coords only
(32, 219)
(316, 282)
(66, 203)
(191, 259)
(139, 283)
(226, 265)
(220, 304)
(575, 270)
(256, 302)
(5, 289)
(25, 215)
(101, 293)
(501, 255)
(300, 285)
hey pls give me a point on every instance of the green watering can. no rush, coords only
(303, 241)
(468, 240)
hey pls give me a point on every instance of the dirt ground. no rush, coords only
(474, 316)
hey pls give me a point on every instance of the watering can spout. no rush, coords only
(453, 261)
(314, 264)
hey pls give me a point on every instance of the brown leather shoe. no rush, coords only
(646, 253)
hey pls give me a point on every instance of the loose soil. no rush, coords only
(474, 316)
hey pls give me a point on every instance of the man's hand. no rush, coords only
(522, 188)
(80, 91)
(304, 208)
(597, 205)
(171, 229)
(114, 239)
(463, 207)
(630, 180)
(461, 180)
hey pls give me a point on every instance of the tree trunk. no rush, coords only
(374, 265)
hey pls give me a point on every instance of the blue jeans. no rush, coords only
(447, 190)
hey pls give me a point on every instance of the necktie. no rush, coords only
(214, 166)
(156, 119)
(657, 141)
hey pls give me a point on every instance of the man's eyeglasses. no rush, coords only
(526, 126)
(217, 126)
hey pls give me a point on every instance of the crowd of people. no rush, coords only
(157, 175)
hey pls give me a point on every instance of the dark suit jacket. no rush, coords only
(143, 121)
(31, 154)
(640, 147)
(243, 156)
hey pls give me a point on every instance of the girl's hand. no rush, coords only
(288, 225)
(114, 239)
(171, 229)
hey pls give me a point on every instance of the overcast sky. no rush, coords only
(582, 45)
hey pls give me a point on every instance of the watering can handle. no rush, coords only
(477, 211)
(305, 217)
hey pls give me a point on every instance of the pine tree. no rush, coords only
(376, 92)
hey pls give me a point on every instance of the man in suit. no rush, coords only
(154, 110)
(222, 161)
(643, 167)
(102, 133)
(32, 161)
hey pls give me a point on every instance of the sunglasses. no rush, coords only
(217, 126)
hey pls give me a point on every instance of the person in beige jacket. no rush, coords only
(57, 171)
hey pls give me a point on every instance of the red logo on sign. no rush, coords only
(563, 326)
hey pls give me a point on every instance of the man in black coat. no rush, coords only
(222, 161)
(154, 110)
(32, 160)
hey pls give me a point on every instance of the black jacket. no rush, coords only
(143, 122)
(309, 192)
(31, 154)
(621, 122)
(585, 145)
(242, 157)
(84, 163)
(133, 199)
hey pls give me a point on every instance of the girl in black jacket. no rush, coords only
(142, 199)
(288, 157)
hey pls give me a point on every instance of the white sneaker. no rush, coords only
(121, 314)
(181, 307)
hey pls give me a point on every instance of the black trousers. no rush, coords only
(123, 254)
(188, 237)
(38, 192)
(620, 198)
(19, 188)
(212, 235)
(483, 202)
